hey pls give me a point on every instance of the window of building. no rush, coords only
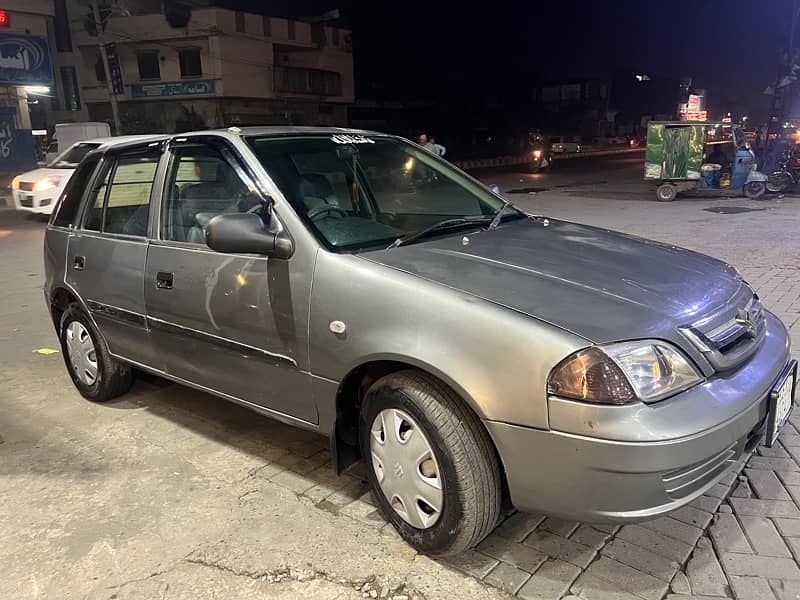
(571, 93)
(307, 81)
(335, 36)
(61, 27)
(149, 67)
(191, 65)
(267, 24)
(123, 205)
(99, 68)
(69, 85)
(240, 25)
(292, 31)
(550, 94)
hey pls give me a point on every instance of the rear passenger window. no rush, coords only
(201, 184)
(71, 198)
(120, 199)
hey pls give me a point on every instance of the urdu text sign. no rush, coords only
(178, 88)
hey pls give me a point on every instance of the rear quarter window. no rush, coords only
(70, 201)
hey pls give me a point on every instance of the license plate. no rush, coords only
(781, 400)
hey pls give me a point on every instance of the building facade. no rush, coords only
(224, 68)
(574, 107)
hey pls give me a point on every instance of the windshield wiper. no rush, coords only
(441, 225)
(498, 216)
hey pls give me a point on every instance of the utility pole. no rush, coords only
(101, 37)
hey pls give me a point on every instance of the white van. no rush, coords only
(67, 134)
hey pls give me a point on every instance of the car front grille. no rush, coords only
(730, 337)
(26, 201)
(26, 186)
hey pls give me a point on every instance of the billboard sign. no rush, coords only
(25, 60)
(698, 115)
(178, 88)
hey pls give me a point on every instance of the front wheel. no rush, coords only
(430, 462)
(755, 189)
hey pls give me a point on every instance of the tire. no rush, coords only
(468, 470)
(755, 189)
(666, 192)
(778, 182)
(112, 377)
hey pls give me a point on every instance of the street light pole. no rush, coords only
(104, 56)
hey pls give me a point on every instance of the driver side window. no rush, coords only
(201, 184)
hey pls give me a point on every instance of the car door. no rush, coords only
(106, 253)
(233, 324)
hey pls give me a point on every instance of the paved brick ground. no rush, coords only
(741, 540)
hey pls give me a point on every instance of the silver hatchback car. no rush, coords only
(354, 284)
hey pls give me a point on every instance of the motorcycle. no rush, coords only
(783, 176)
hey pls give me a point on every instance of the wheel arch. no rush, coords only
(345, 447)
(60, 298)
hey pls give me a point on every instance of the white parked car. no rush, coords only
(561, 144)
(37, 191)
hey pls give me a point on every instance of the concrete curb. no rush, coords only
(504, 161)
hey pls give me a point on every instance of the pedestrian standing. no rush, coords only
(426, 143)
(437, 148)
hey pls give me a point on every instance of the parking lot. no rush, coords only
(171, 493)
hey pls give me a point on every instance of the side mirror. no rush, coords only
(244, 233)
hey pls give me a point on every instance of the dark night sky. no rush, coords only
(424, 48)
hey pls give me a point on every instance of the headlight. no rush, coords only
(46, 184)
(620, 373)
(537, 154)
(15, 182)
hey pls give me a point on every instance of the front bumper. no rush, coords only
(578, 476)
(36, 202)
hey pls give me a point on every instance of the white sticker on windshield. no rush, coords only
(351, 139)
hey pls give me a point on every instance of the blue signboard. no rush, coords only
(17, 150)
(24, 60)
(178, 88)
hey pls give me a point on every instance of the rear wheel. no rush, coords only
(755, 189)
(97, 375)
(666, 192)
(431, 463)
(778, 182)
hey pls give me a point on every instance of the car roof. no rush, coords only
(107, 143)
(121, 139)
(290, 129)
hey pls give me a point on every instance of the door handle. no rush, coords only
(164, 280)
(79, 263)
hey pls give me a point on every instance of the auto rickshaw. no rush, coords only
(701, 158)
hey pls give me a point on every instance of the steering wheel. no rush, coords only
(328, 210)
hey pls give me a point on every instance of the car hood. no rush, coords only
(38, 174)
(602, 285)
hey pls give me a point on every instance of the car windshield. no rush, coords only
(357, 192)
(72, 156)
